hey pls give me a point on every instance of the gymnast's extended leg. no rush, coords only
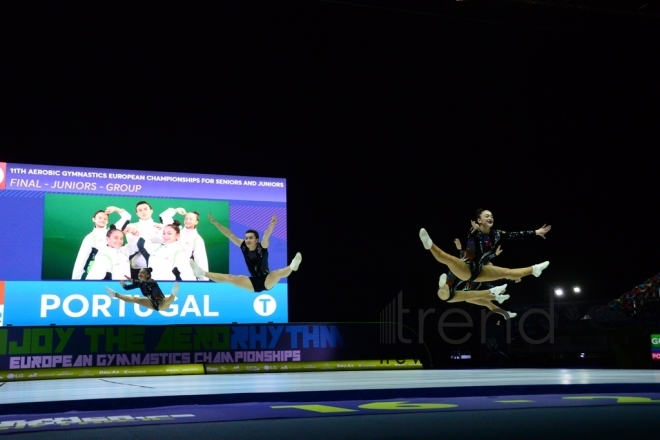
(237, 280)
(456, 265)
(492, 273)
(275, 276)
(165, 304)
(143, 301)
(490, 306)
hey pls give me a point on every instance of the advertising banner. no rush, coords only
(115, 347)
(655, 347)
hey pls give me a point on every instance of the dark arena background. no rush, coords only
(337, 130)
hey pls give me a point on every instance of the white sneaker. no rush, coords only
(501, 298)
(198, 271)
(426, 240)
(497, 290)
(443, 280)
(538, 268)
(512, 315)
(111, 293)
(295, 263)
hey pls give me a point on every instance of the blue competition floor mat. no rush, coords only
(280, 410)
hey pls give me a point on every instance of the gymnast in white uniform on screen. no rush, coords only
(169, 260)
(190, 240)
(112, 261)
(147, 229)
(97, 239)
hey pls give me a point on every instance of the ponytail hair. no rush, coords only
(149, 270)
(175, 225)
(111, 229)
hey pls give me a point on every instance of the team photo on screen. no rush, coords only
(106, 237)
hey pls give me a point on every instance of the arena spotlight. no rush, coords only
(576, 290)
(559, 292)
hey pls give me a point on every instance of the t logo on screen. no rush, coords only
(264, 305)
(3, 173)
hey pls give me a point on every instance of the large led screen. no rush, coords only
(64, 231)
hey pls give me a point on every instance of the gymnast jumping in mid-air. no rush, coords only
(483, 294)
(255, 253)
(481, 248)
(154, 297)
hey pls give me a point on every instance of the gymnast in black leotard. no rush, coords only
(154, 297)
(481, 244)
(452, 289)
